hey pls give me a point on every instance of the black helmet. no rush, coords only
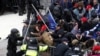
(14, 31)
(33, 40)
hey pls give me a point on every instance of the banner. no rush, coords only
(52, 23)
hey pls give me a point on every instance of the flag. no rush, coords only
(39, 17)
(43, 28)
(52, 23)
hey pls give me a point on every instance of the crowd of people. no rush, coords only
(78, 22)
(20, 6)
(77, 31)
(12, 6)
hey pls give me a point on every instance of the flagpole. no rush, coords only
(30, 21)
(40, 17)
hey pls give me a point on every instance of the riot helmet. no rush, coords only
(33, 44)
(33, 40)
(14, 31)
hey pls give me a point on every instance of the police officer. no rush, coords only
(12, 4)
(12, 42)
(21, 7)
(32, 48)
(38, 2)
(3, 4)
(31, 9)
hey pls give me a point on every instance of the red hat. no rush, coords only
(96, 48)
(88, 7)
(84, 19)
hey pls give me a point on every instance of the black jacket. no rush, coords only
(85, 26)
(12, 42)
(61, 49)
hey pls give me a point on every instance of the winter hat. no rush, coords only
(84, 19)
(88, 7)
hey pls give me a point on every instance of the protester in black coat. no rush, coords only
(30, 9)
(3, 4)
(84, 25)
(21, 5)
(62, 48)
(12, 42)
(69, 36)
(67, 15)
(58, 34)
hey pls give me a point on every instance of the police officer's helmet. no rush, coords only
(14, 31)
(33, 40)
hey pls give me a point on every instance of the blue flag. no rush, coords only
(52, 23)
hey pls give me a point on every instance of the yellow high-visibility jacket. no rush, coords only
(33, 52)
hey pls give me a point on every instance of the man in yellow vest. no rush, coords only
(32, 48)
